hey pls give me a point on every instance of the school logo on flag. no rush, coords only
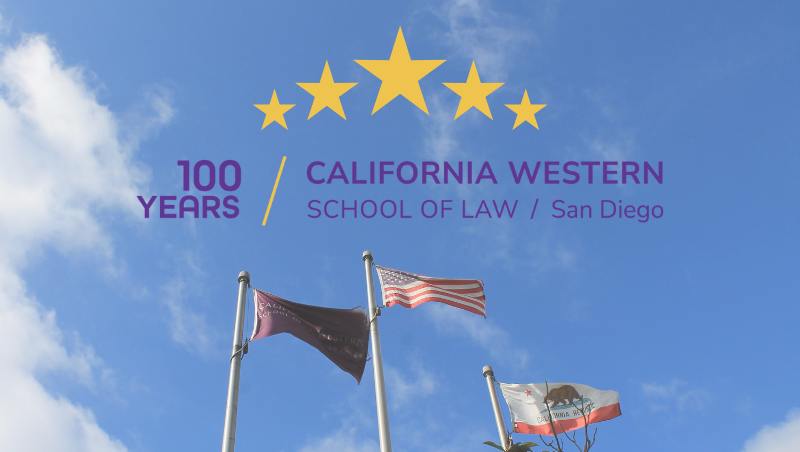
(554, 408)
(340, 334)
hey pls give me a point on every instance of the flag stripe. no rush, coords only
(410, 290)
(472, 286)
(432, 293)
(481, 301)
(451, 303)
(601, 414)
(442, 280)
(441, 299)
(460, 293)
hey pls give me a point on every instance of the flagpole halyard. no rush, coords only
(237, 353)
(488, 373)
(377, 359)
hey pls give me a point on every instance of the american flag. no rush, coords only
(410, 290)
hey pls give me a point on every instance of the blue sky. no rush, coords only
(126, 323)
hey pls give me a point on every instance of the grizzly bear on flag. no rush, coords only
(562, 395)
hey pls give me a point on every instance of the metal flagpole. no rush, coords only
(237, 353)
(377, 360)
(498, 415)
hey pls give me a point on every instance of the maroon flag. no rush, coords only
(410, 290)
(340, 334)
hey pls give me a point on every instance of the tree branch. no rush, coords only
(550, 418)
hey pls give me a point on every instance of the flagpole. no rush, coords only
(237, 353)
(498, 415)
(377, 360)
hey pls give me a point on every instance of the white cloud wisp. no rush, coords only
(783, 437)
(64, 165)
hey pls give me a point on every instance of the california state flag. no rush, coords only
(571, 406)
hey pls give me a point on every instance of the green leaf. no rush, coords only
(518, 447)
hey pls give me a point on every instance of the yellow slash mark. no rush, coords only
(274, 189)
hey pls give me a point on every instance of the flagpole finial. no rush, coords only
(367, 254)
(487, 370)
(244, 276)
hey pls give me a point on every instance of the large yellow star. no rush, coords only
(326, 93)
(274, 111)
(400, 75)
(473, 93)
(526, 111)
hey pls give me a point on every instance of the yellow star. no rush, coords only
(526, 111)
(274, 110)
(400, 75)
(473, 93)
(326, 93)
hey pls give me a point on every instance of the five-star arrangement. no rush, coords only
(400, 76)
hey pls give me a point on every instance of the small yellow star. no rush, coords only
(274, 111)
(400, 75)
(473, 93)
(327, 93)
(526, 111)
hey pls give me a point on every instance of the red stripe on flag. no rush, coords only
(432, 292)
(424, 285)
(415, 303)
(448, 281)
(566, 425)
(480, 312)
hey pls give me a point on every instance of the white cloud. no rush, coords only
(610, 138)
(343, 440)
(440, 141)
(783, 437)
(188, 328)
(619, 148)
(146, 118)
(63, 161)
(64, 166)
(407, 386)
(473, 30)
(412, 426)
(483, 332)
(676, 395)
(499, 244)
